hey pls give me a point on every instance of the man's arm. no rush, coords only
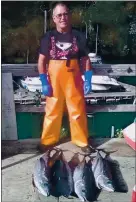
(87, 68)
(42, 61)
(83, 53)
(43, 53)
(46, 88)
(86, 63)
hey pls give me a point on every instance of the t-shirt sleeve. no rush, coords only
(44, 45)
(83, 48)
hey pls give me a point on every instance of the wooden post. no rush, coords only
(9, 128)
(96, 40)
(45, 21)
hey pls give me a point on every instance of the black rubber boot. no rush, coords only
(88, 149)
(43, 148)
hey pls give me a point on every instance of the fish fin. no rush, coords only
(73, 163)
(33, 182)
(83, 161)
(55, 157)
(42, 161)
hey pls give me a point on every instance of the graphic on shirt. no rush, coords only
(63, 46)
(63, 50)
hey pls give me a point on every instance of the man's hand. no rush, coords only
(87, 82)
(87, 68)
(46, 87)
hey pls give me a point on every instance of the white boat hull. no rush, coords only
(103, 80)
(99, 83)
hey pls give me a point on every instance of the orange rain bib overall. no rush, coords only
(67, 87)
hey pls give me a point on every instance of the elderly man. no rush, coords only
(63, 49)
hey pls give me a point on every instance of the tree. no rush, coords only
(111, 18)
(22, 23)
(4, 35)
(24, 41)
(131, 9)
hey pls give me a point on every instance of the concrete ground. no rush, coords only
(17, 171)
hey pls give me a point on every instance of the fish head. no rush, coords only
(81, 191)
(47, 188)
(44, 188)
(105, 183)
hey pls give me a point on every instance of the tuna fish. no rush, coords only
(62, 180)
(119, 183)
(84, 183)
(41, 177)
(102, 173)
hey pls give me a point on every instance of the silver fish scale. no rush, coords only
(101, 173)
(78, 173)
(70, 178)
(41, 181)
(62, 178)
(80, 190)
(79, 182)
(118, 181)
(43, 174)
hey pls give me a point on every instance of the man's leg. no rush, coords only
(77, 114)
(75, 101)
(53, 110)
(52, 121)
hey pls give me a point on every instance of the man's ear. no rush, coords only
(53, 19)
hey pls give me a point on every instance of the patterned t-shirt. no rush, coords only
(63, 46)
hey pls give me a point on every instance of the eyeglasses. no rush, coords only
(59, 16)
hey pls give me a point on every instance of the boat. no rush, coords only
(32, 84)
(104, 90)
(99, 83)
(95, 59)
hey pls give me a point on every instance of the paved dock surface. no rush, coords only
(17, 173)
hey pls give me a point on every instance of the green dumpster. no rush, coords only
(29, 125)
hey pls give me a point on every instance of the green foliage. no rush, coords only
(65, 130)
(19, 60)
(113, 27)
(106, 12)
(5, 26)
(24, 41)
(119, 133)
(77, 17)
(22, 26)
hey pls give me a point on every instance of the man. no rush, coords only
(63, 49)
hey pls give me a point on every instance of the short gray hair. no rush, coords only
(59, 4)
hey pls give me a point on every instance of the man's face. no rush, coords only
(61, 17)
